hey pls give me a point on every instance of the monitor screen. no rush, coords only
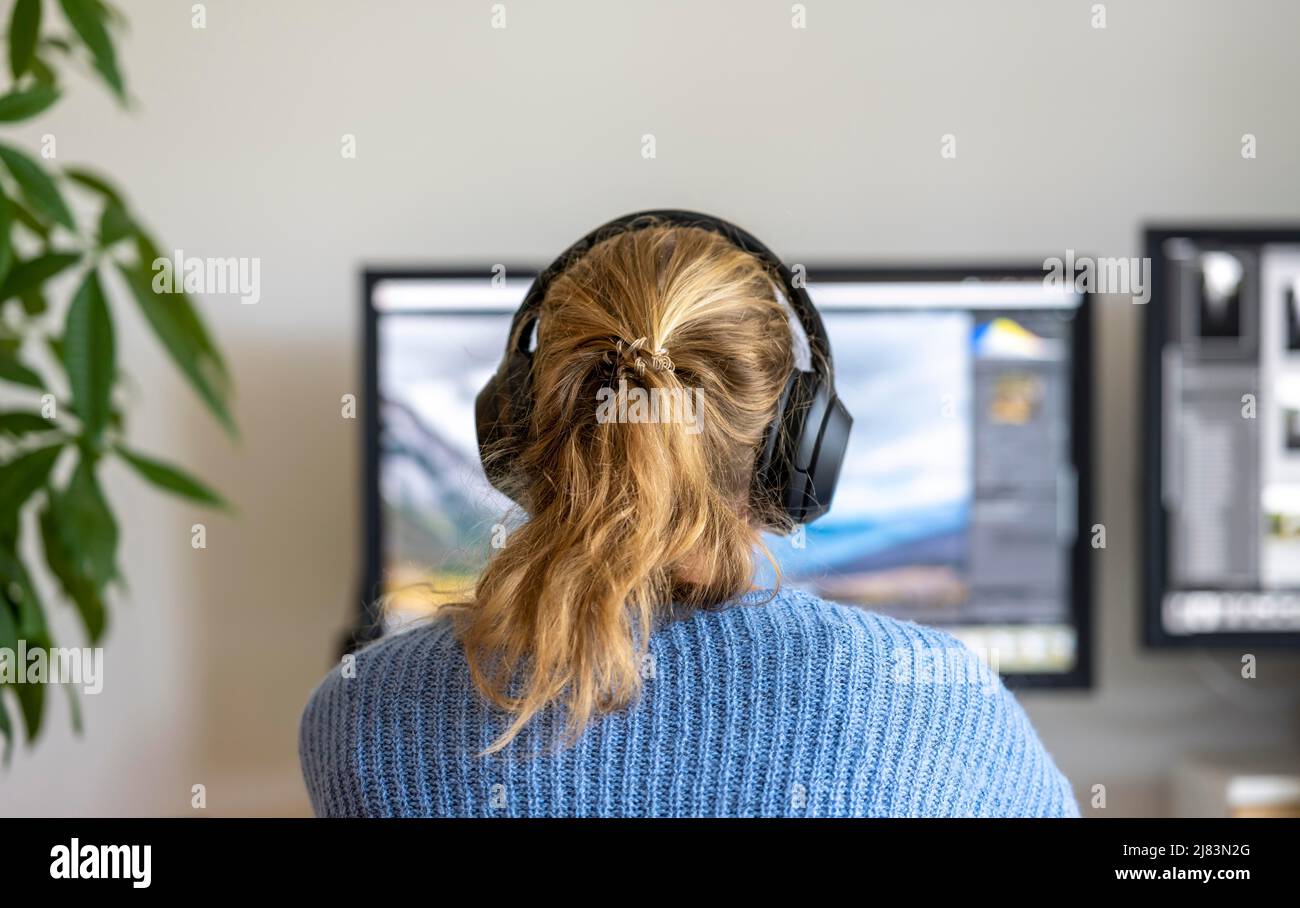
(1223, 444)
(958, 505)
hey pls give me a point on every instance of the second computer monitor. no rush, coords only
(1222, 442)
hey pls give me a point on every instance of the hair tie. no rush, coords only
(629, 356)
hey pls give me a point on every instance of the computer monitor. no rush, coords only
(1222, 437)
(960, 504)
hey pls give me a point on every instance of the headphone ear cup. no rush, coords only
(822, 473)
(775, 454)
(804, 451)
(500, 421)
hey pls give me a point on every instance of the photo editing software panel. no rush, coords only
(1223, 453)
(959, 501)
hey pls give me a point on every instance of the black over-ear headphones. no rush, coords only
(798, 463)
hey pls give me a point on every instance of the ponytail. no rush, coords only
(636, 472)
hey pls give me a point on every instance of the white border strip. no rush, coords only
(434, 294)
(1029, 293)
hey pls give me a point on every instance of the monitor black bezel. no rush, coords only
(1155, 519)
(1081, 585)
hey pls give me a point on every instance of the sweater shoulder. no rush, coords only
(932, 709)
(804, 621)
(381, 662)
(839, 654)
(362, 685)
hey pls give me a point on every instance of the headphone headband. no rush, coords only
(797, 465)
(801, 303)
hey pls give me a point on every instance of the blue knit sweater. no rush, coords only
(793, 707)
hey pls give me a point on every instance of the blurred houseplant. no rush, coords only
(59, 380)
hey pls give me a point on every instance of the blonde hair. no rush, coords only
(628, 519)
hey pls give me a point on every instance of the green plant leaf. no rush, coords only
(30, 221)
(19, 478)
(33, 301)
(58, 539)
(8, 641)
(178, 328)
(87, 525)
(112, 13)
(31, 700)
(14, 579)
(16, 423)
(95, 183)
(23, 105)
(37, 186)
(24, 28)
(186, 314)
(24, 620)
(115, 419)
(31, 274)
(171, 478)
(17, 593)
(6, 247)
(16, 590)
(88, 18)
(114, 224)
(89, 355)
(74, 707)
(11, 370)
(8, 628)
(6, 729)
(43, 73)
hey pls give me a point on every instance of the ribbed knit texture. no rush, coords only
(793, 707)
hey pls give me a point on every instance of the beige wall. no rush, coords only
(484, 145)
